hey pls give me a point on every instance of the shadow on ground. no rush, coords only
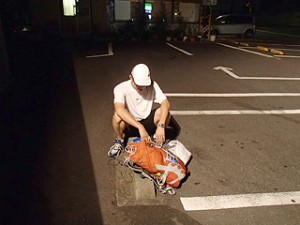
(46, 170)
(148, 215)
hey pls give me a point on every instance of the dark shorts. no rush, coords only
(148, 123)
(171, 131)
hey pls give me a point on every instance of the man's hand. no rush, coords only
(160, 135)
(144, 134)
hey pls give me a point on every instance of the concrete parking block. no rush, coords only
(144, 188)
(262, 48)
(277, 52)
(132, 189)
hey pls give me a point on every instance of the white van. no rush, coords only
(236, 24)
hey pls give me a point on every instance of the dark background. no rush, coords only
(43, 72)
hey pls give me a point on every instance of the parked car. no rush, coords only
(235, 24)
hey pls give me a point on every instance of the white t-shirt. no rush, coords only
(139, 104)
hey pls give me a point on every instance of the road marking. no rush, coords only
(179, 49)
(266, 49)
(230, 73)
(240, 201)
(248, 51)
(233, 112)
(289, 49)
(281, 49)
(110, 53)
(274, 44)
(231, 95)
(288, 56)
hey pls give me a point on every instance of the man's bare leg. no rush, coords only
(118, 126)
(157, 117)
(172, 128)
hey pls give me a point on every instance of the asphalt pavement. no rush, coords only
(47, 174)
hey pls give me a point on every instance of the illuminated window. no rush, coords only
(69, 7)
(148, 8)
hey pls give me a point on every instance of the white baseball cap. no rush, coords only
(141, 75)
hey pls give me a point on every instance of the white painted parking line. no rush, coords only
(231, 95)
(110, 53)
(240, 201)
(246, 50)
(288, 49)
(179, 49)
(288, 56)
(230, 73)
(280, 47)
(233, 112)
(274, 44)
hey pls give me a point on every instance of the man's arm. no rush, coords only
(164, 111)
(129, 119)
(162, 122)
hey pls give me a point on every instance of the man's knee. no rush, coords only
(157, 116)
(116, 118)
(174, 128)
(119, 122)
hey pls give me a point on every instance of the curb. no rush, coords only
(143, 188)
(277, 52)
(271, 50)
(133, 190)
(244, 44)
(262, 48)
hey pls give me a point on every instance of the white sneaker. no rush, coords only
(116, 149)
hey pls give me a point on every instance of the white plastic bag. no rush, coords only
(178, 149)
